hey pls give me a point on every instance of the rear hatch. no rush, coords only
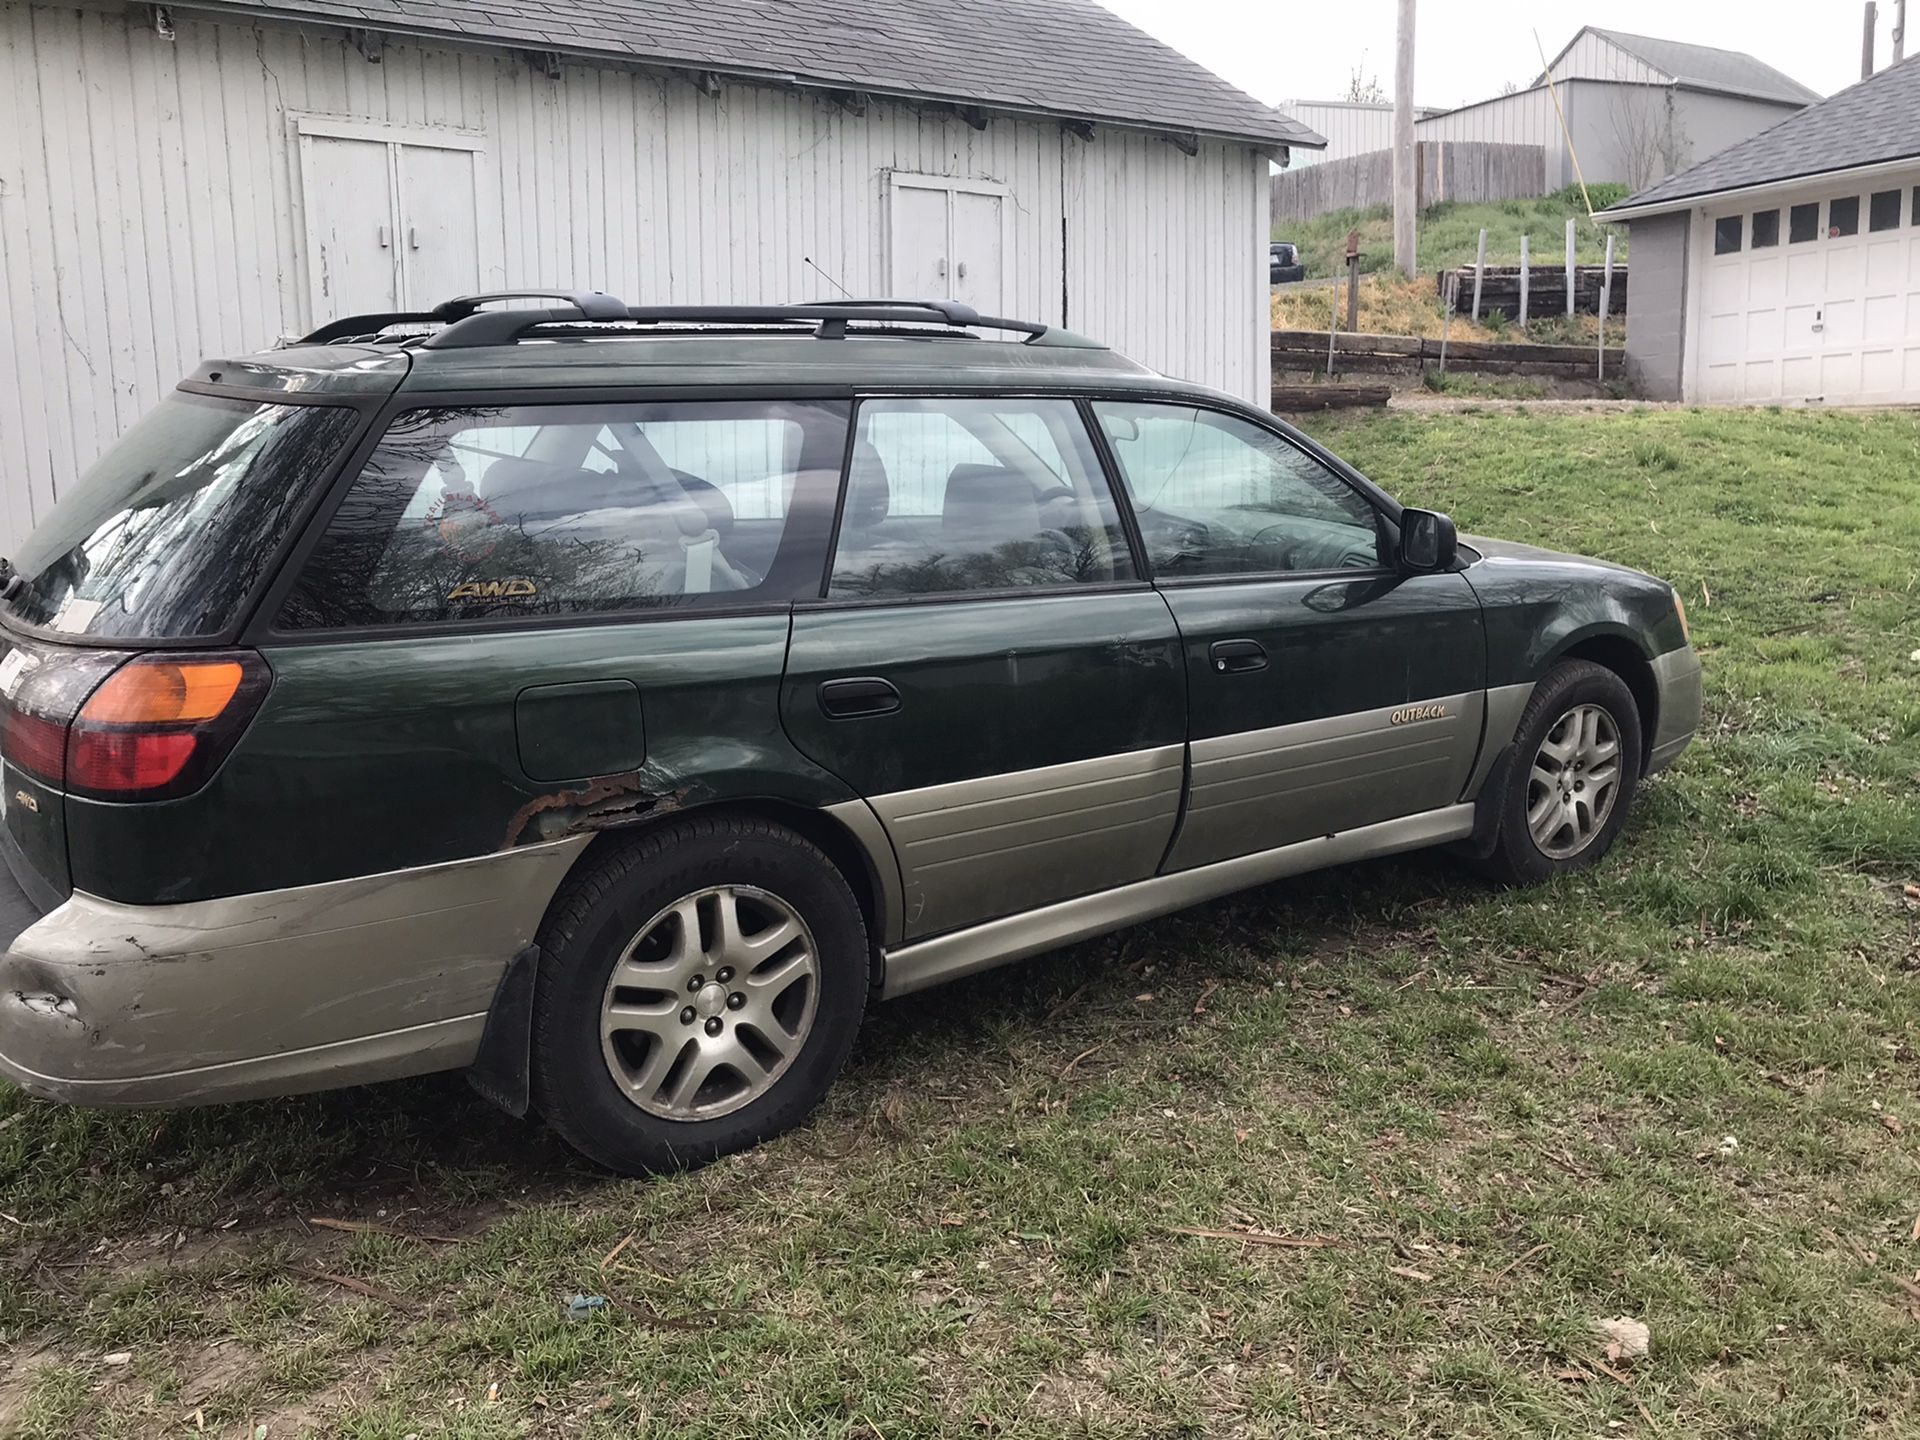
(119, 679)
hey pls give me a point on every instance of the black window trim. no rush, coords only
(261, 630)
(1370, 494)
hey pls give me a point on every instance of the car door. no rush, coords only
(988, 668)
(1326, 689)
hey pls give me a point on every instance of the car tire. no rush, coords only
(1554, 818)
(698, 1046)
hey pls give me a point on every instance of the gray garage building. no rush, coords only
(1787, 267)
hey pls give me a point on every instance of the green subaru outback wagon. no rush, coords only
(611, 702)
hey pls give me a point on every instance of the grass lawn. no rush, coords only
(1449, 234)
(1682, 1088)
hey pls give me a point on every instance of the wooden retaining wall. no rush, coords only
(1306, 350)
(1546, 290)
(1468, 170)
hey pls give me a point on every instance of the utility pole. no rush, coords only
(1899, 31)
(1405, 157)
(1866, 41)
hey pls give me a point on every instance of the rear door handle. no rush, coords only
(857, 696)
(1233, 656)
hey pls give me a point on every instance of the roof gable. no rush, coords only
(1644, 59)
(1068, 58)
(1872, 123)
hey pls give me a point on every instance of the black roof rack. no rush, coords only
(585, 304)
(466, 324)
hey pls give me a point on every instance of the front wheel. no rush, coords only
(1576, 761)
(699, 990)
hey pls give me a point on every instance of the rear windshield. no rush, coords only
(165, 537)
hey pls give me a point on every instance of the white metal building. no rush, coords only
(1637, 108)
(1351, 127)
(1787, 268)
(187, 180)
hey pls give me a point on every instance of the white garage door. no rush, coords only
(1814, 300)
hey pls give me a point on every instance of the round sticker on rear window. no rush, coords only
(464, 524)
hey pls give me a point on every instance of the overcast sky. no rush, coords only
(1306, 49)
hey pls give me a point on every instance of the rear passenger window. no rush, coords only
(1217, 495)
(956, 495)
(477, 513)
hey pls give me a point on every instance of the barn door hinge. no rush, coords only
(371, 44)
(161, 18)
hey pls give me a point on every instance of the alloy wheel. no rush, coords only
(710, 1003)
(1574, 782)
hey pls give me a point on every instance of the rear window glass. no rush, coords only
(508, 511)
(167, 534)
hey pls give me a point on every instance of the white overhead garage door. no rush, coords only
(1813, 298)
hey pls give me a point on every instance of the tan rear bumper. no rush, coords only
(273, 993)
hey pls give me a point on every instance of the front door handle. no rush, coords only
(858, 696)
(1234, 656)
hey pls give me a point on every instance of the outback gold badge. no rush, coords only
(519, 588)
(1411, 713)
(26, 801)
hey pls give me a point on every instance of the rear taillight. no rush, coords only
(147, 727)
(161, 724)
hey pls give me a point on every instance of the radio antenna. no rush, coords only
(808, 260)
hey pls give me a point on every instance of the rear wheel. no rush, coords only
(1576, 759)
(699, 990)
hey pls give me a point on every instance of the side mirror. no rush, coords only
(1428, 540)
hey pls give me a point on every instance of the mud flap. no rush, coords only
(1487, 806)
(501, 1071)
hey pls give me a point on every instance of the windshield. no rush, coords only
(165, 537)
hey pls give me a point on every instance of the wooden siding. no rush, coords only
(151, 211)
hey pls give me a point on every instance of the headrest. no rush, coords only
(869, 493)
(988, 501)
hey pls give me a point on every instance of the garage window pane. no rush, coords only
(1843, 217)
(1766, 229)
(1883, 211)
(1803, 224)
(1726, 235)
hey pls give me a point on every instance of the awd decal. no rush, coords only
(1411, 713)
(516, 589)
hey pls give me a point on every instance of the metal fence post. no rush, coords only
(1571, 252)
(1526, 276)
(1479, 270)
(1606, 297)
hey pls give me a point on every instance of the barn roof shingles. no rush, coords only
(1069, 58)
(1871, 123)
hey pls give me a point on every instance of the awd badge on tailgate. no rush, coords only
(1410, 713)
(26, 801)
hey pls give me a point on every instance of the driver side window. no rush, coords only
(957, 495)
(1216, 495)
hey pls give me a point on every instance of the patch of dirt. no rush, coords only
(17, 1373)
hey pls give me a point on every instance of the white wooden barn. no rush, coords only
(198, 179)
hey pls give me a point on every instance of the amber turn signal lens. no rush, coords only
(155, 691)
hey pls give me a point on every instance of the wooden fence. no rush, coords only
(1470, 170)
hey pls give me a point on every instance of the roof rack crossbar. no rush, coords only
(504, 327)
(591, 305)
